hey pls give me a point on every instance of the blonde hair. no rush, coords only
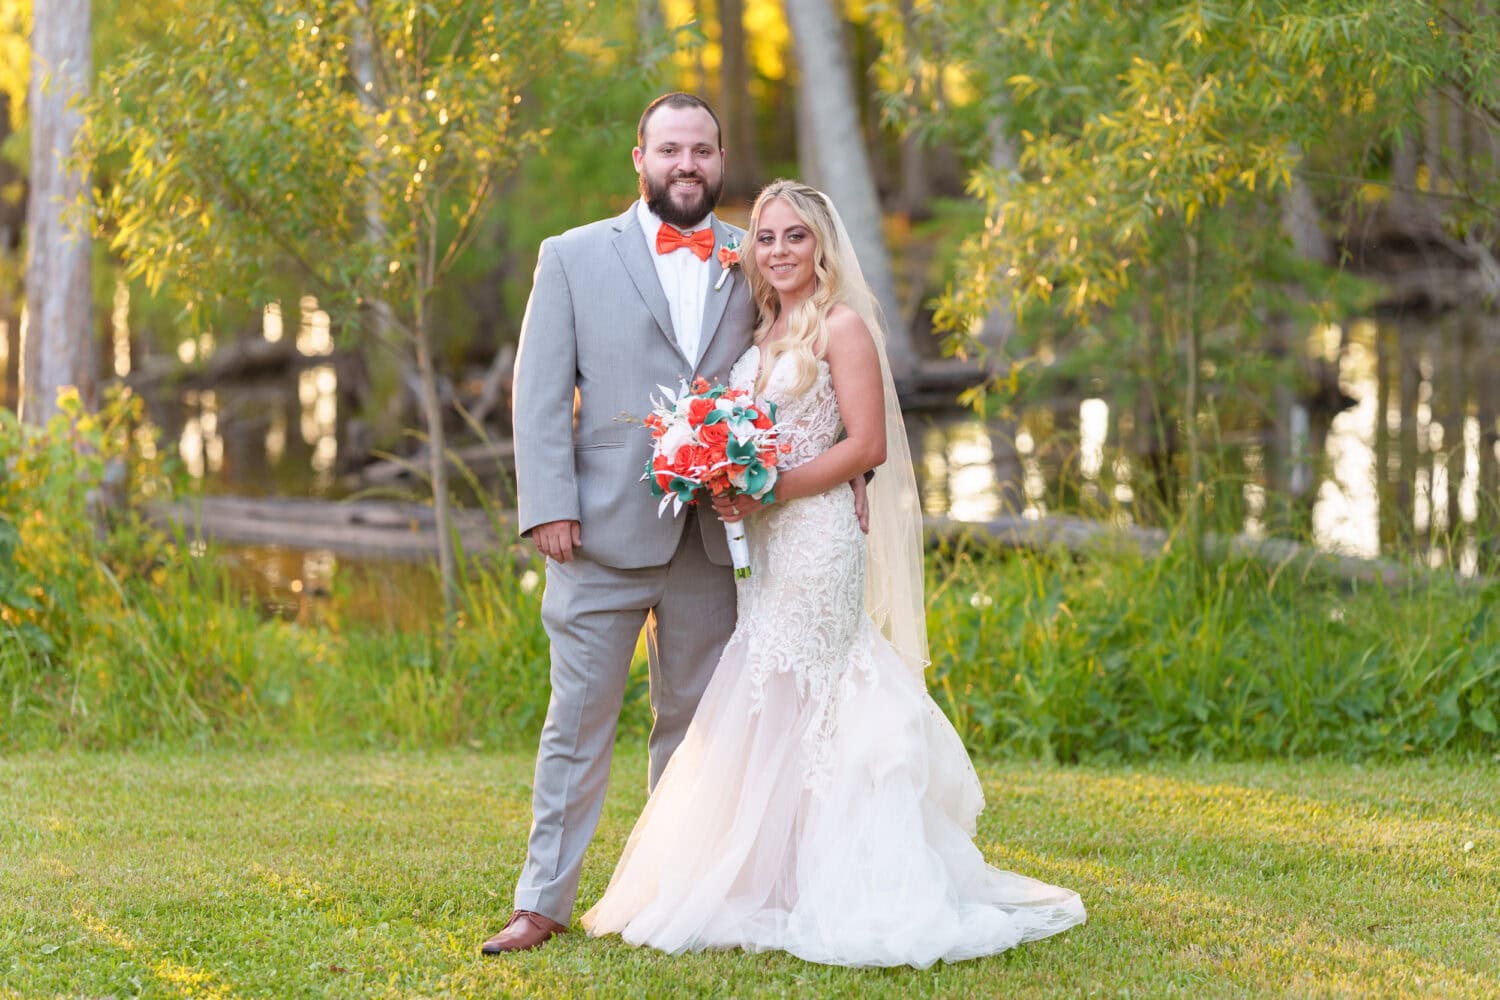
(807, 321)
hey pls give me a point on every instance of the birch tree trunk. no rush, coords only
(831, 117)
(57, 344)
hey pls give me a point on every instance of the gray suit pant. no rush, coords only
(593, 615)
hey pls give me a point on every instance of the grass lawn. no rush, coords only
(371, 874)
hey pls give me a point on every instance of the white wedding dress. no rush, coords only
(820, 803)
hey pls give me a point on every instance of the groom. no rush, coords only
(617, 308)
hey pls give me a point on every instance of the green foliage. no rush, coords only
(15, 58)
(1138, 228)
(353, 145)
(1116, 654)
(112, 634)
(62, 546)
(1130, 122)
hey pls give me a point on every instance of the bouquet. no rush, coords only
(716, 440)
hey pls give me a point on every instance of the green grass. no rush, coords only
(377, 874)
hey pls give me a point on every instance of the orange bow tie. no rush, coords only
(669, 238)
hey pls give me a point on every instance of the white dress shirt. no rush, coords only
(684, 279)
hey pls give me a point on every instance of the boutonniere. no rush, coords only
(729, 258)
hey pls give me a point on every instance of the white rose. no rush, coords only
(677, 435)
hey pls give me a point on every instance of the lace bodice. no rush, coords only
(802, 612)
(809, 422)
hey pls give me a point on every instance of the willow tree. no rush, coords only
(354, 144)
(1160, 147)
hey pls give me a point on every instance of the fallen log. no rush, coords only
(406, 532)
(1076, 534)
(481, 459)
(360, 528)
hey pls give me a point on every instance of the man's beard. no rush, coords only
(659, 200)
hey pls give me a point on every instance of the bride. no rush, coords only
(820, 802)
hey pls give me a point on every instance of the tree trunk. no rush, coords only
(742, 171)
(1000, 323)
(832, 120)
(1303, 222)
(648, 21)
(57, 345)
(12, 223)
(1193, 340)
(809, 167)
(442, 511)
(1405, 202)
(916, 185)
(378, 390)
(1432, 139)
(916, 189)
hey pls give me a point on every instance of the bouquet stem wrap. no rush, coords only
(739, 548)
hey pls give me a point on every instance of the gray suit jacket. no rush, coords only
(596, 342)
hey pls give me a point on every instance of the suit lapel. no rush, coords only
(631, 246)
(717, 300)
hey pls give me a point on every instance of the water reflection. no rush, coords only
(196, 347)
(315, 587)
(1033, 479)
(1254, 491)
(1346, 514)
(1093, 431)
(959, 471)
(270, 322)
(258, 435)
(314, 334)
(317, 392)
(201, 447)
(1411, 464)
(119, 325)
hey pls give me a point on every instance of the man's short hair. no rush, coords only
(677, 99)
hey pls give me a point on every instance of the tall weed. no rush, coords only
(1118, 654)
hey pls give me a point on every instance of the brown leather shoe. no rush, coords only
(522, 932)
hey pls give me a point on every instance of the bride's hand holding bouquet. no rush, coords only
(710, 440)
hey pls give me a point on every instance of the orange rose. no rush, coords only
(715, 437)
(663, 470)
(698, 409)
(693, 456)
